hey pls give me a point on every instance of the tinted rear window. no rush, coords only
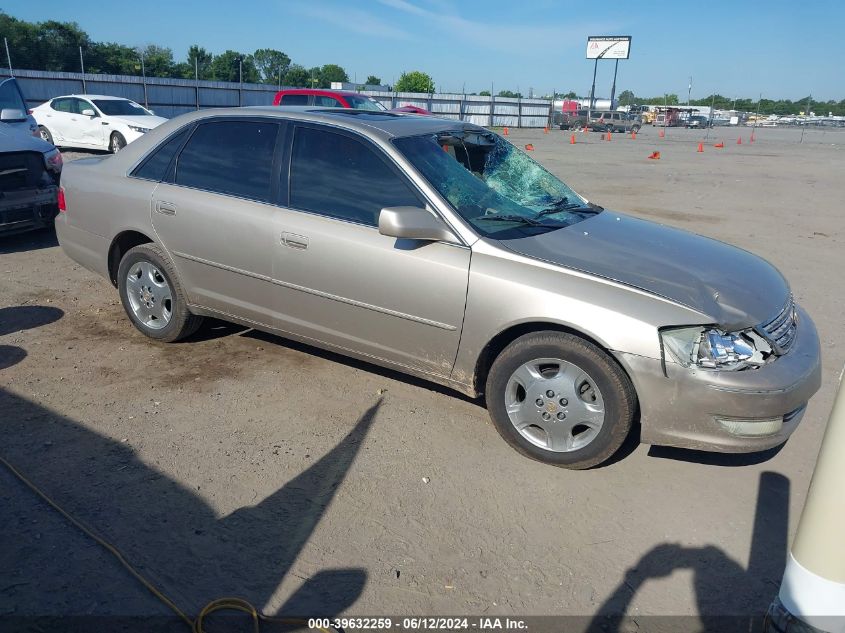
(294, 100)
(230, 157)
(155, 167)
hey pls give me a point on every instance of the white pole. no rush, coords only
(8, 57)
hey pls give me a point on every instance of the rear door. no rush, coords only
(57, 119)
(341, 281)
(215, 214)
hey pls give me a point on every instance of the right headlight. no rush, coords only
(711, 348)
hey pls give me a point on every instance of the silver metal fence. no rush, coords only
(172, 97)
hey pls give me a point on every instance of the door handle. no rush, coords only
(165, 208)
(294, 241)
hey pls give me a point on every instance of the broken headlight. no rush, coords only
(712, 348)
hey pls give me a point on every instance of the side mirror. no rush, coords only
(12, 115)
(413, 223)
(151, 111)
(88, 112)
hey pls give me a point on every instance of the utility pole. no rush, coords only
(689, 90)
(144, 79)
(593, 90)
(8, 57)
(197, 79)
(613, 88)
(807, 115)
(240, 82)
(82, 67)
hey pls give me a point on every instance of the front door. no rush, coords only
(84, 129)
(216, 217)
(342, 282)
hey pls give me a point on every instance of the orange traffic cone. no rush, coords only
(700, 148)
(655, 156)
(751, 140)
(662, 133)
(529, 147)
(572, 140)
(506, 131)
(633, 136)
(719, 145)
(609, 135)
(545, 130)
(739, 141)
(585, 129)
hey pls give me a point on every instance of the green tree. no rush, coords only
(415, 81)
(372, 80)
(113, 59)
(271, 64)
(197, 63)
(58, 45)
(510, 94)
(158, 61)
(296, 76)
(570, 95)
(627, 98)
(226, 67)
(330, 73)
(484, 93)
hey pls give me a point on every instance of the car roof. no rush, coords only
(380, 123)
(321, 92)
(98, 97)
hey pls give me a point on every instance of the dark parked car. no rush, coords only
(29, 167)
(698, 122)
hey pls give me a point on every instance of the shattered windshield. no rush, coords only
(493, 185)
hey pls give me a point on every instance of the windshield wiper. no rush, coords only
(564, 205)
(510, 218)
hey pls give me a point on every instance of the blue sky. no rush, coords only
(777, 48)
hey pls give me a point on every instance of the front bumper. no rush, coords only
(681, 407)
(27, 209)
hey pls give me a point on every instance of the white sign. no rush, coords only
(608, 47)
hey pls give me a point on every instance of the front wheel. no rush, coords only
(116, 142)
(559, 399)
(152, 295)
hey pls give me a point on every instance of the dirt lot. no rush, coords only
(239, 463)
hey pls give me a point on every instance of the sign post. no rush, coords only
(606, 47)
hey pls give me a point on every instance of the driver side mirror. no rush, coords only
(12, 115)
(88, 112)
(413, 223)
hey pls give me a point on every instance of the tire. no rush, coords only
(44, 133)
(586, 384)
(609, 128)
(116, 142)
(155, 303)
(635, 129)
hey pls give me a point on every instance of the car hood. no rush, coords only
(144, 120)
(18, 138)
(733, 287)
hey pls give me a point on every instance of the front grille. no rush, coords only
(20, 170)
(780, 331)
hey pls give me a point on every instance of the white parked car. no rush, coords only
(93, 121)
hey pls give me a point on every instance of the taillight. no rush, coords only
(62, 203)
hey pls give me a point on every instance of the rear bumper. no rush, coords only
(683, 407)
(84, 247)
(27, 209)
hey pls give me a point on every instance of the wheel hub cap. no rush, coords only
(554, 404)
(149, 294)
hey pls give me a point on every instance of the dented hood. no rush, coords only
(733, 287)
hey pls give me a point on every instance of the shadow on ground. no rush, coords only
(28, 241)
(171, 533)
(726, 592)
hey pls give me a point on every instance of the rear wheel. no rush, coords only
(560, 400)
(45, 135)
(116, 142)
(152, 295)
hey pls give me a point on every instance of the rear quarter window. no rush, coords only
(155, 166)
(294, 100)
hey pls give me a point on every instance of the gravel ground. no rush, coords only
(240, 463)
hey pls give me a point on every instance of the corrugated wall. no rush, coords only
(172, 97)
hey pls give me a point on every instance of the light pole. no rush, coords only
(8, 57)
